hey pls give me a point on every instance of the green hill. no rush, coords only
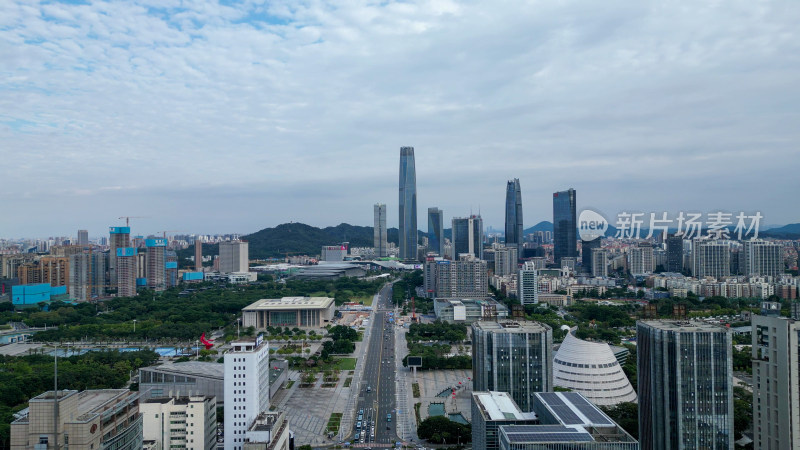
(301, 239)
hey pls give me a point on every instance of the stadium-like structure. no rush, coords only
(591, 369)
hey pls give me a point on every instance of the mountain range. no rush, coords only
(299, 238)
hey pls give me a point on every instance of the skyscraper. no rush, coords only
(246, 387)
(408, 205)
(198, 254)
(685, 375)
(587, 247)
(759, 257)
(674, 253)
(711, 258)
(528, 285)
(83, 237)
(380, 240)
(565, 226)
(156, 263)
(514, 215)
(468, 236)
(640, 259)
(126, 263)
(513, 357)
(87, 275)
(776, 396)
(120, 237)
(234, 256)
(436, 231)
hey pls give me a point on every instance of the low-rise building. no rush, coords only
(301, 312)
(180, 422)
(269, 431)
(92, 419)
(467, 310)
(183, 379)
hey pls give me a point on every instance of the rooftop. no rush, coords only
(521, 434)
(194, 368)
(685, 326)
(571, 408)
(507, 326)
(180, 400)
(290, 303)
(500, 406)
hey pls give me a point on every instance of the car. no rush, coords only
(358, 425)
(369, 388)
(357, 436)
(360, 417)
(361, 411)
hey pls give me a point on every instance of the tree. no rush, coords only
(626, 414)
(441, 430)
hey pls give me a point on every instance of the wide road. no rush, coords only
(376, 398)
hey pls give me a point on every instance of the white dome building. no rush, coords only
(591, 369)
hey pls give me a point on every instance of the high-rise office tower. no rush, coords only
(776, 381)
(513, 357)
(565, 226)
(759, 257)
(87, 275)
(587, 247)
(156, 263)
(711, 258)
(599, 262)
(126, 262)
(685, 378)
(468, 236)
(505, 260)
(514, 215)
(198, 255)
(408, 205)
(234, 256)
(528, 285)
(246, 387)
(380, 240)
(83, 237)
(119, 237)
(640, 259)
(674, 253)
(436, 231)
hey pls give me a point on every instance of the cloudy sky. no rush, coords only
(231, 116)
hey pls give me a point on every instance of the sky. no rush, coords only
(231, 116)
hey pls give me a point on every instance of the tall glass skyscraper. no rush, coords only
(436, 231)
(685, 378)
(513, 357)
(408, 205)
(565, 226)
(467, 236)
(514, 215)
(379, 231)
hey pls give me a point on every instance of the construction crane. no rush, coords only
(128, 219)
(164, 233)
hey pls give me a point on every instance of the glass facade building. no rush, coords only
(514, 215)
(565, 226)
(436, 231)
(467, 236)
(685, 386)
(513, 357)
(408, 205)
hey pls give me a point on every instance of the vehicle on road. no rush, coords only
(388, 417)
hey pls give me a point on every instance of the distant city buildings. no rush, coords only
(155, 263)
(87, 276)
(640, 259)
(514, 227)
(465, 278)
(436, 231)
(408, 205)
(565, 226)
(505, 260)
(467, 236)
(685, 384)
(119, 237)
(126, 262)
(83, 237)
(333, 253)
(599, 262)
(513, 357)
(587, 253)
(380, 236)
(674, 253)
(528, 285)
(234, 256)
(711, 258)
(246, 388)
(198, 255)
(758, 257)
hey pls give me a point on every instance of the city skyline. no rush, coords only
(280, 105)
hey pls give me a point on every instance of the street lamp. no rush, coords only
(238, 319)
(134, 325)
(197, 348)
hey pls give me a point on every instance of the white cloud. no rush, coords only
(636, 105)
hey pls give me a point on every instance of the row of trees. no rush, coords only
(437, 331)
(441, 430)
(434, 357)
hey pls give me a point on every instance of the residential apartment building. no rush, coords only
(180, 422)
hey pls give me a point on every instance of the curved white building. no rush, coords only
(591, 369)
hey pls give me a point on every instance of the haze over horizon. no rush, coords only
(231, 117)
